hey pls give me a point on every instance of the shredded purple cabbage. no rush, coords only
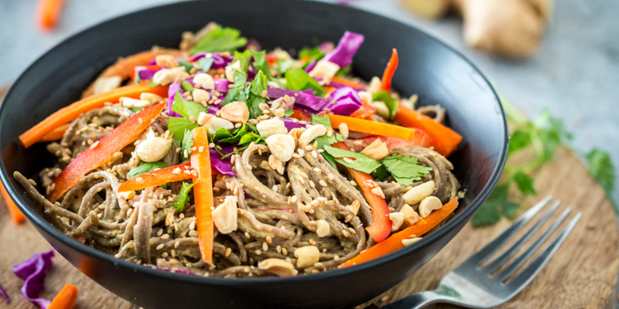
(345, 101)
(33, 271)
(219, 61)
(145, 73)
(5, 296)
(174, 87)
(221, 85)
(291, 124)
(346, 49)
(305, 100)
(326, 47)
(178, 271)
(223, 166)
(310, 66)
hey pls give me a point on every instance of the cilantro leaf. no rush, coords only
(524, 183)
(344, 71)
(551, 133)
(235, 94)
(282, 66)
(248, 138)
(487, 214)
(308, 53)
(187, 108)
(186, 86)
(361, 163)
(519, 139)
(288, 112)
(255, 95)
(137, 109)
(260, 62)
(205, 63)
(298, 80)
(390, 102)
(178, 126)
(323, 120)
(380, 173)
(244, 58)
(187, 65)
(182, 198)
(326, 140)
(187, 143)
(405, 169)
(220, 40)
(145, 167)
(601, 168)
(224, 136)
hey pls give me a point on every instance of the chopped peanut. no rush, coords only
(377, 150)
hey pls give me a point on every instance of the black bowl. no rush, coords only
(427, 67)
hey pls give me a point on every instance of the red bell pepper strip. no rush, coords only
(203, 194)
(100, 152)
(271, 59)
(364, 112)
(381, 228)
(394, 242)
(444, 139)
(390, 70)
(301, 116)
(71, 112)
(347, 82)
(372, 127)
(157, 178)
(420, 139)
(65, 298)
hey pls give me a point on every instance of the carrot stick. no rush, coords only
(71, 112)
(49, 13)
(100, 152)
(394, 242)
(157, 178)
(65, 298)
(17, 216)
(364, 112)
(381, 228)
(55, 134)
(445, 140)
(372, 127)
(203, 193)
(347, 82)
(390, 70)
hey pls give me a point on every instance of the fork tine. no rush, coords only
(505, 256)
(517, 263)
(494, 245)
(518, 283)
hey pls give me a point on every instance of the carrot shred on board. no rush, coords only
(16, 214)
(347, 82)
(71, 112)
(97, 154)
(157, 178)
(65, 298)
(394, 242)
(444, 139)
(381, 228)
(372, 127)
(49, 13)
(55, 134)
(390, 70)
(203, 194)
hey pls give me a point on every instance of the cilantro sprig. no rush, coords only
(220, 40)
(405, 169)
(183, 196)
(544, 135)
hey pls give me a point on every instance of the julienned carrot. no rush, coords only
(65, 298)
(157, 178)
(390, 70)
(394, 242)
(49, 12)
(71, 112)
(372, 127)
(347, 82)
(17, 216)
(103, 150)
(203, 193)
(381, 228)
(445, 140)
(56, 134)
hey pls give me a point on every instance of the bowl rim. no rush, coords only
(41, 223)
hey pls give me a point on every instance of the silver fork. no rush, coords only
(471, 285)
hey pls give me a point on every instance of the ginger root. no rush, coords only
(509, 28)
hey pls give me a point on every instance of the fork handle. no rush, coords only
(418, 300)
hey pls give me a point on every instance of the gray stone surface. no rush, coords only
(575, 74)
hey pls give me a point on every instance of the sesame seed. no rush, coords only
(228, 251)
(165, 236)
(265, 247)
(336, 258)
(139, 179)
(173, 252)
(93, 146)
(258, 252)
(32, 182)
(285, 251)
(160, 247)
(312, 242)
(176, 170)
(247, 235)
(322, 183)
(278, 249)
(173, 262)
(164, 255)
(293, 199)
(176, 244)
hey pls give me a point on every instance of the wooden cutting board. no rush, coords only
(582, 274)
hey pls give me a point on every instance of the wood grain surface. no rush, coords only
(582, 274)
